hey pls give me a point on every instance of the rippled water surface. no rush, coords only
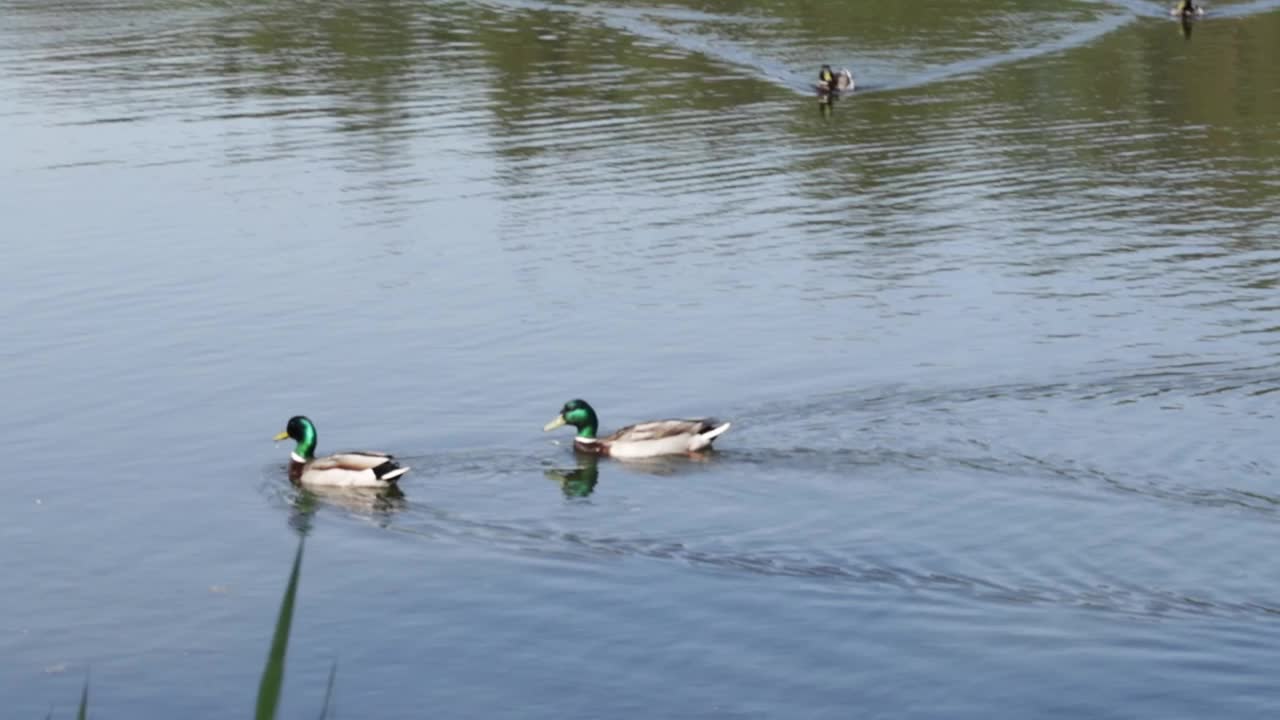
(998, 334)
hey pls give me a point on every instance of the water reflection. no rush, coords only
(1185, 23)
(580, 481)
(377, 504)
(827, 102)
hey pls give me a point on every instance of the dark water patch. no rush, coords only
(1191, 378)
(1218, 9)
(1007, 464)
(431, 522)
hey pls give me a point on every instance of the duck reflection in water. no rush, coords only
(580, 481)
(378, 504)
(1185, 24)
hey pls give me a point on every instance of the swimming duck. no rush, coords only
(642, 440)
(833, 82)
(348, 469)
(1186, 9)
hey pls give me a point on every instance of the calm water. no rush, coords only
(1000, 337)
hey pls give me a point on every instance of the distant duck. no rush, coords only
(348, 469)
(642, 440)
(1186, 9)
(830, 82)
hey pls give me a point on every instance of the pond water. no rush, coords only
(998, 334)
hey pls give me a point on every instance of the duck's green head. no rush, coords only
(825, 75)
(303, 431)
(578, 414)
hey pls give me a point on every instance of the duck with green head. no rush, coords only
(832, 83)
(642, 440)
(347, 469)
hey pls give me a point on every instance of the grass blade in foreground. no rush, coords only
(273, 673)
(328, 692)
(84, 700)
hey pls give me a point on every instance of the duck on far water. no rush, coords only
(832, 83)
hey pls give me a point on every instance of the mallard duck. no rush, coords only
(642, 440)
(830, 82)
(1186, 9)
(348, 469)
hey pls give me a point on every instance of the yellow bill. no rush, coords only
(553, 424)
(282, 436)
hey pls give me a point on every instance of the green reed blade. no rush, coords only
(328, 691)
(273, 673)
(84, 700)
